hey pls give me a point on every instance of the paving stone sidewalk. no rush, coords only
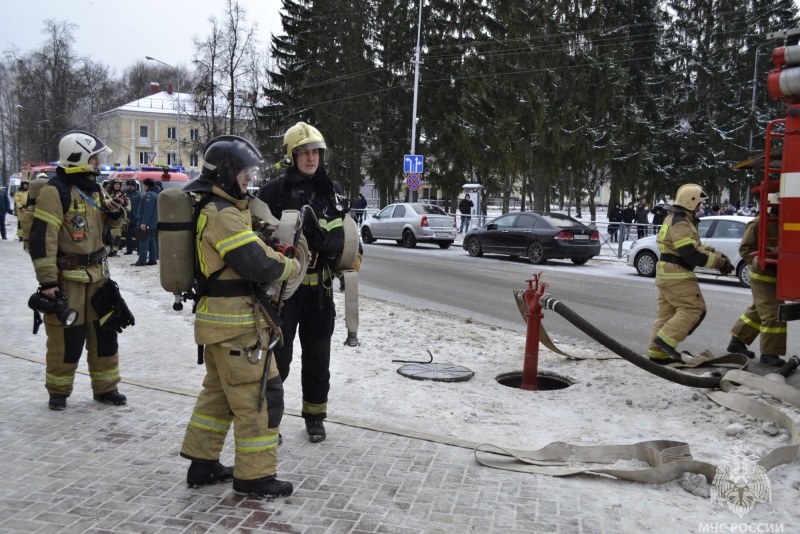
(98, 468)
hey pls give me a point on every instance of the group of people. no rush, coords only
(638, 217)
(247, 345)
(681, 307)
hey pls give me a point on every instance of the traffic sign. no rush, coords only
(413, 163)
(414, 181)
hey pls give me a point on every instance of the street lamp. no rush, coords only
(180, 159)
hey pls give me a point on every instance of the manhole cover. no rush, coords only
(441, 372)
(546, 381)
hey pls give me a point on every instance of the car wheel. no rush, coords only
(645, 264)
(366, 236)
(743, 274)
(536, 254)
(445, 244)
(409, 241)
(580, 261)
(474, 247)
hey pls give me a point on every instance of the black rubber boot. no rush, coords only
(57, 401)
(316, 431)
(774, 361)
(673, 354)
(736, 346)
(204, 473)
(112, 397)
(265, 487)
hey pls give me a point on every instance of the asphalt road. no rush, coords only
(606, 293)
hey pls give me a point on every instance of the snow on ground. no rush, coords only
(611, 401)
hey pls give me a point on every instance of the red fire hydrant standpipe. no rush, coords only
(530, 367)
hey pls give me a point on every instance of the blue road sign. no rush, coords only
(413, 163)
(414, 181)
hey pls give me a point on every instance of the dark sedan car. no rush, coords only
(539, 236)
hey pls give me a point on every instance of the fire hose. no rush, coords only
(667, 460)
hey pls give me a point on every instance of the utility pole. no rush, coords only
(178, 101)
(416, 86)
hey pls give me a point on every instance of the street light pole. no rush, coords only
(178, 101)
(416, 84)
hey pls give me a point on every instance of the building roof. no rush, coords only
(161, 102)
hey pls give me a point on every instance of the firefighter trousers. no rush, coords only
(681, 309)
(761, 317)
(230, 397)
(65, 344)
(303, 315)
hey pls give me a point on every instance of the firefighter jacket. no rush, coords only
(293, 191)
(20, 202)
(749, 247)
(681, 249)
(69, 230)
(231, 260)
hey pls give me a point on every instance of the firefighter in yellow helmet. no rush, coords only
(761, 317)
(67, 246)
(21, 205)
(681, 307)
(310, 310)
(234, 323)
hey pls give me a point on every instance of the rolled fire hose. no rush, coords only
(668, 460)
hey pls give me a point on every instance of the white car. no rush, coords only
(409, 224)
(723, 232)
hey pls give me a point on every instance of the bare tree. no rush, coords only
(227, 64)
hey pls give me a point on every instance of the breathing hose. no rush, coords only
(667, 373)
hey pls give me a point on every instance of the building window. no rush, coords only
(172, 158)
(143, 159)
(194, 134)
(193, 159)
(171, 132)
(144, 131)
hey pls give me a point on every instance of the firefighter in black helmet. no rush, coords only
(311, 307)
(235, 327)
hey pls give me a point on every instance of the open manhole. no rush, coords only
(545, 381)
(440, 372)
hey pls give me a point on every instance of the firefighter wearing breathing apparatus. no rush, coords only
(68, 236)
(311, 308)
(681, 307)
(115, 192)
(761, 317)
(234, 324)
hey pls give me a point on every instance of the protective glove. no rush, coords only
(709, 248)
(332, 245)
(112, 310)
(727, 267)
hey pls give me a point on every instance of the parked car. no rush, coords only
(409, 224)
(723, 232)
(538, 236)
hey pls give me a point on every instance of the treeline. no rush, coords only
(538, 99)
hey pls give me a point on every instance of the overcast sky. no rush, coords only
(118, 32)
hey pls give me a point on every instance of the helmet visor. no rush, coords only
(249, 175)
(307, 147)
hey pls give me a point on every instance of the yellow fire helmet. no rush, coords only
(689, 196)
(305, 136)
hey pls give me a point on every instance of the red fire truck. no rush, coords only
(780, 164)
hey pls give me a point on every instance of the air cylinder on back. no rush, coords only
(176, 241)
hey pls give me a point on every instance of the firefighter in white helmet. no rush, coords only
(681, 307)
(236, 326)
(69, 233)
(761, 317)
